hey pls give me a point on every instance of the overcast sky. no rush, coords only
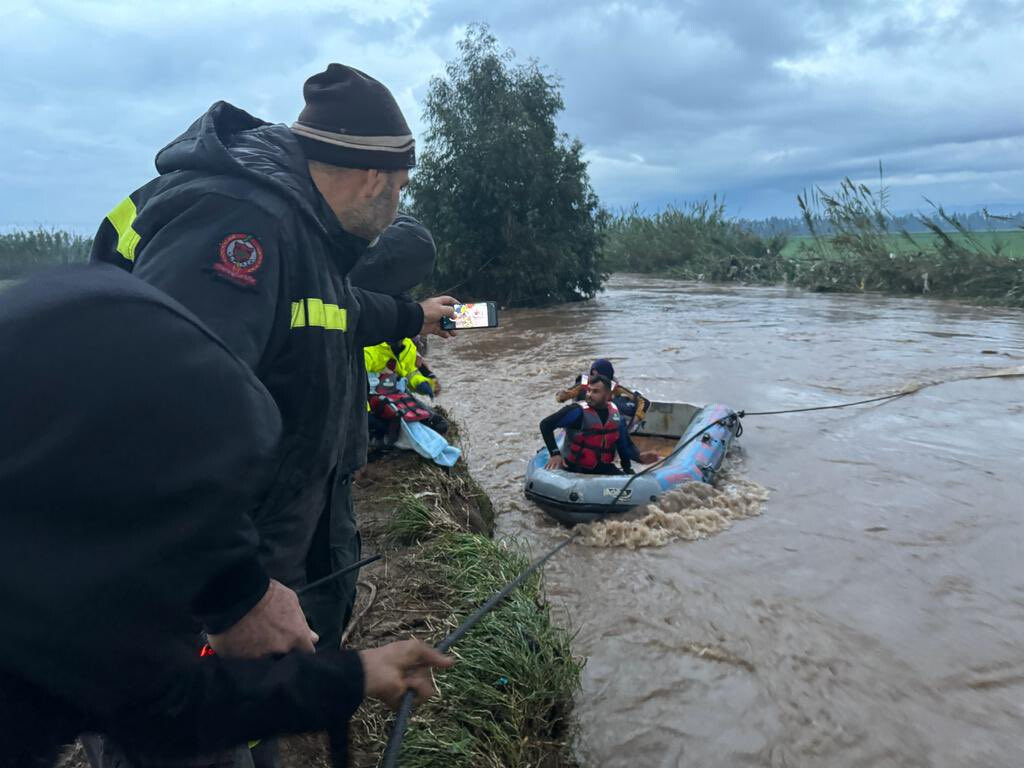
(674, 101)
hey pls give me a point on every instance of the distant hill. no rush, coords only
(1001, 217)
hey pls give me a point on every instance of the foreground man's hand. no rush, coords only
(391, 670)
(433, 310)
(649, 457)
(274, 625)
(555, 462)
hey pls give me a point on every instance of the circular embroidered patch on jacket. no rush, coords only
(240, 256)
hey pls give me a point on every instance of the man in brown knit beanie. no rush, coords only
(254, 227)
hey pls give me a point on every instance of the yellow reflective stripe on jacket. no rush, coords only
(122, 217)
(315, 313)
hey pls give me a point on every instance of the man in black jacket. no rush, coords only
(134, 444)
(255, 227)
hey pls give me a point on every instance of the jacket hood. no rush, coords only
(229, 141)
(399, 260)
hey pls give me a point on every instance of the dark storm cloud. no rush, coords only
(673, 101)
(758, 100)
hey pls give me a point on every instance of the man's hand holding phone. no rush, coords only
(480, 314)
(433, 310)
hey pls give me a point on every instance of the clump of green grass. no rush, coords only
(416, 520)
(454, 501)
(506, 702)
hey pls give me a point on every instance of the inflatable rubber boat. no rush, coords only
(705, 435)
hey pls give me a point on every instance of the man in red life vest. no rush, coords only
(594, 433)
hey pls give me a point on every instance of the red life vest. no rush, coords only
(388, 403)
(594, 442)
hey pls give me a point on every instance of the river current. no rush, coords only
(872, 614)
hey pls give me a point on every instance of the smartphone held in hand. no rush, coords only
(482, 314)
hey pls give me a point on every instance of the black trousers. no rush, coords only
(336, 545)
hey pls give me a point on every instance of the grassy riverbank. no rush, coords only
(984, 268)
(858, 254)
(857, 245)
(508, 700)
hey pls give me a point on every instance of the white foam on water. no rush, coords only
(690, 512)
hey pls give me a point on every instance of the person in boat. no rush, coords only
(595, 431)
(632, 405)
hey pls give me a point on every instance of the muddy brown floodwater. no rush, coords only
(873, 615)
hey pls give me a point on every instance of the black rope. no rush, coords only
(745, 414)
(338, 574)
(675, 451)
(390, 759)
(459, 632)
(883, 398)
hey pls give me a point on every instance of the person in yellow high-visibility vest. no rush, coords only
(391, 362)
(403, 359)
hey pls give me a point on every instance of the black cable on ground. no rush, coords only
(390, 759)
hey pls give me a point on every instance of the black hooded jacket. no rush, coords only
(235, 229)
(133, 447)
